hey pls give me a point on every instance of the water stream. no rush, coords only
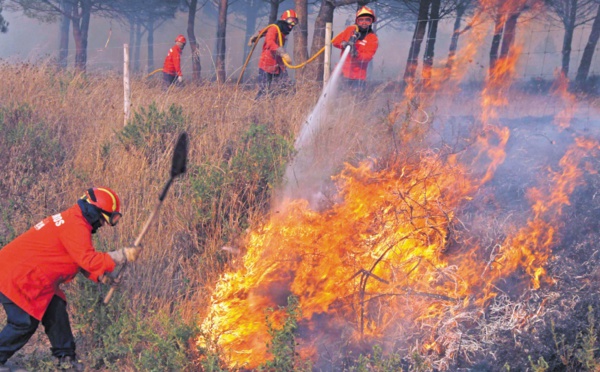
(304, 175)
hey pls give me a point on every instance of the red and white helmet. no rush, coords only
(180, 38)
(290, 17)
(106, 201)
(366, 11)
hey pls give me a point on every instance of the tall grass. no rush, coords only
(63, 133)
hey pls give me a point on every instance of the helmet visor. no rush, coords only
(364, 21)
(112, 218)
(292, 21)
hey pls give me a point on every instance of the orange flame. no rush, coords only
(383, 243)
(561, 90)
(381, 261)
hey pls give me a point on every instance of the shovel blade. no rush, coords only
(180, 156)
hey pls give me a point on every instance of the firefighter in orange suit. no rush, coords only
(36, 263)
(363, 43)
(172, 66)
(271, 68)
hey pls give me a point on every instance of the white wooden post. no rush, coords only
(126, 85)
(327, 63)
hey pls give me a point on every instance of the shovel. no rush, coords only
(177, 168)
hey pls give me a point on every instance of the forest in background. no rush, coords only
(521, 160)
(422, 18)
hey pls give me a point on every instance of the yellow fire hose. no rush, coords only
(154, 72)
(255, 43)
(280, 43)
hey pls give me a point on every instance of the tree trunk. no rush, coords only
(301, 37)
(566, 50)
(508, 38)
(568, 38)
(131, 38)
(588, 52)
(137, 47)
(81, 25)
(221, 34)
(3, 23)
(431, 37)
(150, 29)
(412, 62)
(460, 11)
(251, 15)
(496, 39)
(315, 69)
(273, 11)
(196, 66)
(65, 23)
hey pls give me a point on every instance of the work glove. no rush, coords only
(180, 79)
(283, 54)
(350, 43)
(123, 255)
(131, 253)
(253, 39)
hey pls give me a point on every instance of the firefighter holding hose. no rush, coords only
(36, 263)
(363, 43)
(172, 67)
(271, 67)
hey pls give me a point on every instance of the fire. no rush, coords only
(382, 264)
(377, 260)
(384, 239)
(561, 90)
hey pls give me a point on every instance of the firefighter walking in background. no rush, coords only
(36, 263)
(172, 66)
(363, 43)
(272, 73)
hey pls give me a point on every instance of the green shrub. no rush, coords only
(150, 131)
(112, 335)
(28, 145)
(540, 366)
(581, 354)
(588, 344)
(30, 150)
(227, 192)
(283, 341)
(377, 362)
(210, 355)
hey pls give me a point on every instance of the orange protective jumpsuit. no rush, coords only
(355, 68)
(269, 61)
(172, 65)
(33, 265)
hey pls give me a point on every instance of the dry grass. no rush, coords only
(82, 116)
(65, 138)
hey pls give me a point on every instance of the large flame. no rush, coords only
(381, 263)
(376, 262)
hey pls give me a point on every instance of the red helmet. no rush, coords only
(106, 201)
(290, 17)
(180, 38)
(366, 11)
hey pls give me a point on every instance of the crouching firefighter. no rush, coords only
(271, 67)
(36, 263)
